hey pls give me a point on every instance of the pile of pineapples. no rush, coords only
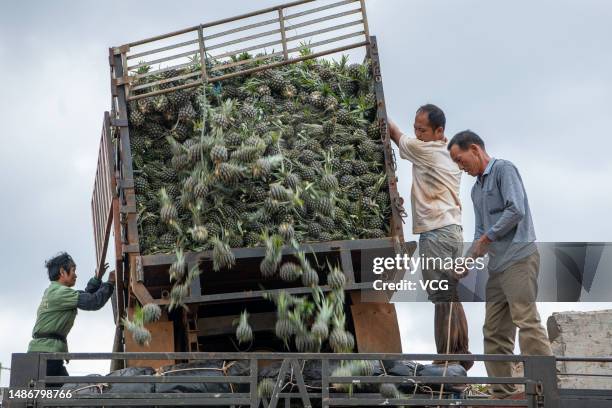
(293, 148)
(277, 158)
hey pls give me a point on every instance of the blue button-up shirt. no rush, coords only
(502, 213)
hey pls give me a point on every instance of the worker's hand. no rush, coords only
(100, 273)
(481, 247)
(111, 277)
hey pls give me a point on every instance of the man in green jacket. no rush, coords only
(58, 308)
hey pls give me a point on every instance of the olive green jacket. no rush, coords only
(58, 309)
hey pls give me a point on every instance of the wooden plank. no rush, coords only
(370, 320)
(162, 333)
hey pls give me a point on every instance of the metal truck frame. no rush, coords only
(539, 380)
(113, 201)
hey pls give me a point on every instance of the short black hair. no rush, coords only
(465, 139)
(61, 260)
(435, 116)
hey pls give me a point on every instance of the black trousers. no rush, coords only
(56, 367)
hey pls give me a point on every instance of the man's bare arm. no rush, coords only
(394, 132)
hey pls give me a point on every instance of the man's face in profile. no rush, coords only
(423, 130)
(68, 278)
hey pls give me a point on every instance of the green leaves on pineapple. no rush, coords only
(151, 313)
(244, 332)
(272, 259)
(223, 257)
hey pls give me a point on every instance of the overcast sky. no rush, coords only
(532, 78)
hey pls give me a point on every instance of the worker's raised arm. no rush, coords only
(97, 299)
(394, 132)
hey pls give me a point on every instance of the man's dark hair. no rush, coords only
(435, 116)
(465, 139)
(61, 260)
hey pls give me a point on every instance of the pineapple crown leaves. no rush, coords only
(339, 319)
(138, 316)
(305, 49)
(151, 312)
(175, 146)
(177, 295)
(325, 312)
(178, 268)
(223, 257)
(143, 69)
(242, 320)
(274, 246)
(244, 332)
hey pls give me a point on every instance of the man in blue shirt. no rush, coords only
(504, 230)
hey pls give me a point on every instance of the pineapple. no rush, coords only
(265, 388)
(247, 154)
(289, 91)
(275, 81)
(340, 340)
(314, 230)
(199, 233)
(344, 117)
(248, 111)
(336, 279)
(161, 104)
(290, 271)
(267, 102)
(330, 103)
(186, 112)
(137, 119)
(218, 153)
(151, 313)
(178, 269)
(264, 90)
(273, 255)
(279, 193)
(222, 255)
(316, 99)
(286, 231)
(168, 212)
(229, 173)
(359, 167)
(292, 181)
(307, 156)
(329, 127)
(284, 328)
(320, 328)
(244, 333)
(233, 139)
(180, 131)
(374, 131)
(329, 182)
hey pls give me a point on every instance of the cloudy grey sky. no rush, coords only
(532, 78)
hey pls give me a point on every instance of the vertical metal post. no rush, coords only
(281, 20)
(364, 17)
(543, 370)
(253, 376)
(324, 383)
(381, 114)
(202, 54)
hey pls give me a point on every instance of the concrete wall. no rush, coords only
(582, 334)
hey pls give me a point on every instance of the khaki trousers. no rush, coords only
(442, 243)
(510, 297)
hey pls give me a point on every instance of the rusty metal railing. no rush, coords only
(103, 193)
(274, 36)
(538, 380)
